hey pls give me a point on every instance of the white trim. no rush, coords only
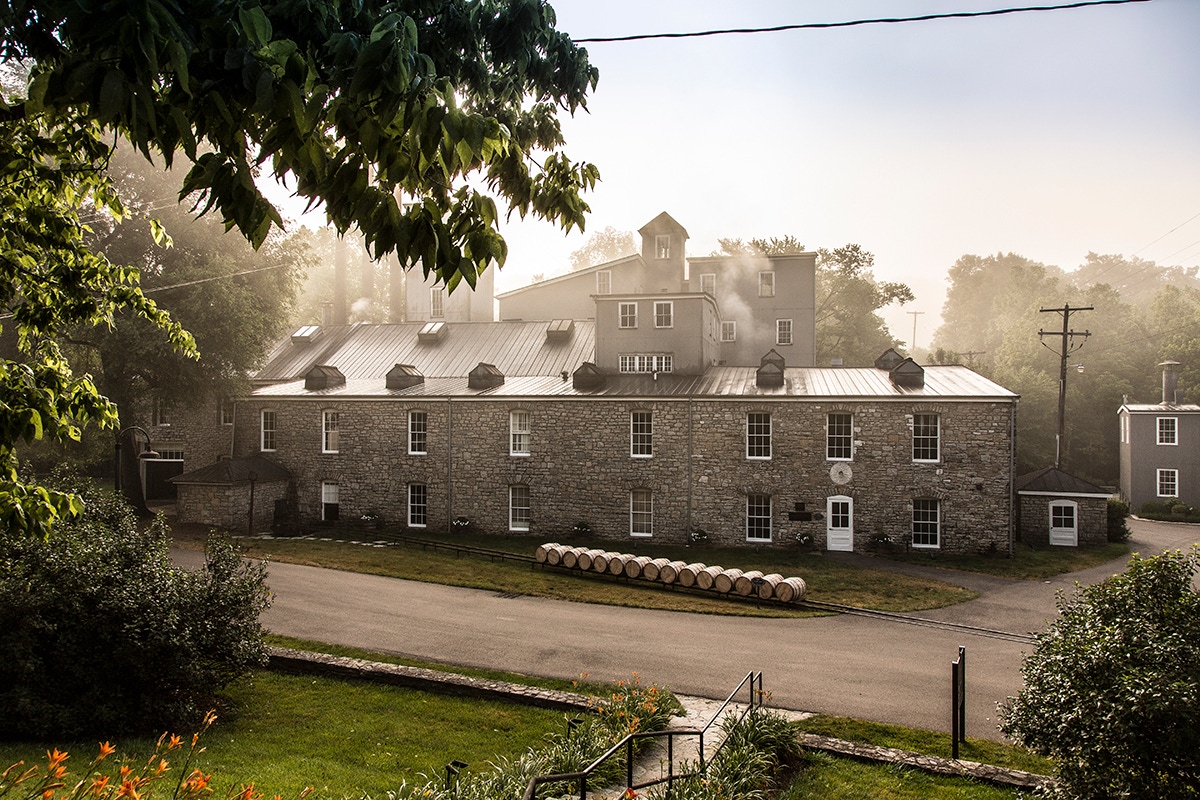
(1024, 493)
(328, 414)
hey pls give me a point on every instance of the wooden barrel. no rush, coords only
(724, 582)
(554, 554)
(635, 566)
(767, 590)
(570, 556)
(540, 554)
(600, 561)
(585, 558)
(791, 590)
(669, 572)
(706, 576)
(744, 585)
(653, 567)
(687, 574)
(616, 564)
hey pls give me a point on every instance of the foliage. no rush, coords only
(604, 246)
(100, 633)
(1118, 520)
(1122, 660)
(1168, 511)
(357, 104)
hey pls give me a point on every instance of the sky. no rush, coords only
(1049, 134)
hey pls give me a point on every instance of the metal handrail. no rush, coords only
(755, 679)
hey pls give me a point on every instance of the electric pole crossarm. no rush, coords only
(1067, 347)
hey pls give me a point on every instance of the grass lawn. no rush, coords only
(827, 778)
(1027, 564)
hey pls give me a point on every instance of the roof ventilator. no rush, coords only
(908, 373)
(404, 376)
(323, 376)
(485, 376)
(770, 370)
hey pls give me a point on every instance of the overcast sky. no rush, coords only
(1048, 134)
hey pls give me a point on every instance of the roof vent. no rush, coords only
(588, 377)
(485, 376)
(773, 357)
(432, 332)
(908, 373)
(889, 360)
(769, 375)
(305, 334)
(323, 376)
(560, 330)
(404, 376)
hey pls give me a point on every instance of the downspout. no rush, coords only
(449, 467)
(690, 412)
(233, 428)
(1012, 479)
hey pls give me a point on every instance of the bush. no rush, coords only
(1118, 520)
(101, 634)
(1112, 690)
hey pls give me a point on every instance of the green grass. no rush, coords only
(824, 777)
(930, 743)
(1027, 564)
(344, 738)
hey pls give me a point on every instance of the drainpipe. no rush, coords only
(449, 467)
(1012, 478)
(233, 428)
(690, 413)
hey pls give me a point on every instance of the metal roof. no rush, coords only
(1162, 408)
(817, 383)
(1052, 480)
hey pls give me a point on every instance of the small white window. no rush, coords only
(926, 437)
(664, 314)
(437, 303)
(839, 436)
(604, 281)
(662, 246)
(227, 411)
(1168, 483)
(329, 502)
(518, 508)
(519, 433)
(267, 442)
(418, 505)
(758, 517)
(628, 315)
(783, 331)
(708, 283)
(926, 523)
(758, 435)
(729, 331)
(647, 362)
(418, 433)
(1168, 430)
(641, 434)
(329, 432)
(641, 512)
(766, 284)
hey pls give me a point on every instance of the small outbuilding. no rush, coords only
(1057, 508)
(234, 494)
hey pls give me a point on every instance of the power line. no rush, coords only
(854, 23)
(1168, 233)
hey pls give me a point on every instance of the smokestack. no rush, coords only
(367, 284)
(1170, 383)
(396, 310)
(340, 259)
(326, 314)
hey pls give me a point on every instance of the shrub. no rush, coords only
(1118, 520)
(1112, 689)
(101, 634)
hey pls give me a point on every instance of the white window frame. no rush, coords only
(644, 363)
(267, 441)
(641, 434)
(837, 438)
(1055, 509)
(641, 513)
(330, 419)
(664, 314)
(604, 281)
(921, 438)
(756, 520)
(627, 316)
(708, 283)
(418, 505)
(226, 412)
(418, 432)
(330, 496)
(1168, 430)
(520, 507)
(729, 331)
(1124, 429)
(921, 516)
(766, 284)
(437, 303)
(758, 435)
(662, 246)
(783, 332)
(1166, 482)
(520, 432)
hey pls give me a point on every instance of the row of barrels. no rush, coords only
(772, 586)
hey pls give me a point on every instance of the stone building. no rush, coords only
(1059, 509)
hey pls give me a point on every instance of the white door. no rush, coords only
(1064, 523)
(839, 523)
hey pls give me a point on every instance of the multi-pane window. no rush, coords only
(267, 441)
(839, 436)
(926, 523)
(758, 517)
(729, 331)
(662, 245)
(329, 502)
(329, 431)
(418, 433)
(645, 362)
(641, 434)
(227, 411)
(1168, 430)
(926, 437)
(758, 435)
(664, 314)
(1168, 483)
(437, 303)
(518, 508)
(708, 283)
(783, 331)
(641, 512)
(518, 433)
(628, 314)
(1062, 515)
(604, 281)
(418, 505)
(158, 413)
(766, 284)
(1124, 429)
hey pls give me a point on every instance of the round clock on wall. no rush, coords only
(840, 474)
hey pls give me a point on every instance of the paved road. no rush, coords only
(867, 668)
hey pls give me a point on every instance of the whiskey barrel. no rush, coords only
(724, 582)
(635, 566)
(570, 556)
(766, 590)
(600, 561)
(706, 576)
(687, 574)
(653, 568)
(616, 564)
(669, 572)
(539, 555)
(585, 558)
(744, 585)
(791, 590)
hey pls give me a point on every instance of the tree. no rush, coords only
(1112, 690)
(358, 104)
(602, 247)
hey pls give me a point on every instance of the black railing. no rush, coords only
(753, 683)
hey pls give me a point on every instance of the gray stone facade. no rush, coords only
(1033, 514)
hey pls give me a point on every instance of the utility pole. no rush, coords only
(912, 346)
(970, 354)
(1067, 346)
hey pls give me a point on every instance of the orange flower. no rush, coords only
(162, 766)
(106, 750)
(173, 743)
(99, 785)
(125, 771)
(128, 789)
(629, 794)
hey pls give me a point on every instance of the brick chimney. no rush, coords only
(1170, 382)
